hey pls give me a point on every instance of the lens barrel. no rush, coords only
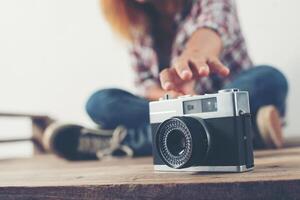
(182, 141)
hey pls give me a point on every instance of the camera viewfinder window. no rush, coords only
(200, 105)
(209, 105)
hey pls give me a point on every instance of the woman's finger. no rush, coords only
(175, 94)
(200, 65)
(166, 79)
(216, 66)
(183, 70)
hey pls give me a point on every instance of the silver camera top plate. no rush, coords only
(225, 103)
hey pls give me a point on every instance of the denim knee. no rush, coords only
(270, 87)
(279, 81)
(100, 105)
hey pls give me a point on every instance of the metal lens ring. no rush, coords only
(175, 154)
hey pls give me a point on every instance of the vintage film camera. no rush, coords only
(210, 133)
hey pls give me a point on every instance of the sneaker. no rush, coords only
(75, 142)
(269, 125)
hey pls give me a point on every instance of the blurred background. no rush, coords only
(55, 53)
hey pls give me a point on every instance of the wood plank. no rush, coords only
(276, 176)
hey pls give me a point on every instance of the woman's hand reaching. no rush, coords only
(194, 63)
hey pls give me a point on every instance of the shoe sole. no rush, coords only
(51, 132)
(270, 128)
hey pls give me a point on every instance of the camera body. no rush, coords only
(210, 133)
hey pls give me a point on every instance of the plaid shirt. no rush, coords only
(218, 15)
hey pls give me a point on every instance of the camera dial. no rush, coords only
(182, 141)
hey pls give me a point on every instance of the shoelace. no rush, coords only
(118, 136)
(108, 146)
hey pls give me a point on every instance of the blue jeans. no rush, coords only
(112, 107)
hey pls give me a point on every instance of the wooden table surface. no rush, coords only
(276, 176)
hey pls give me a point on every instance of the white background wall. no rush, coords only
(55, 53)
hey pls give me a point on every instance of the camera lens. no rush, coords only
(182, 141)
(176, 142)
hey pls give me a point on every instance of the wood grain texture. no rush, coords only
(276, 176)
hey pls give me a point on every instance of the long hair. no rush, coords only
(128, 17)
(125, 17)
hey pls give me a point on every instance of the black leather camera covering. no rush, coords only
(230, 142)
